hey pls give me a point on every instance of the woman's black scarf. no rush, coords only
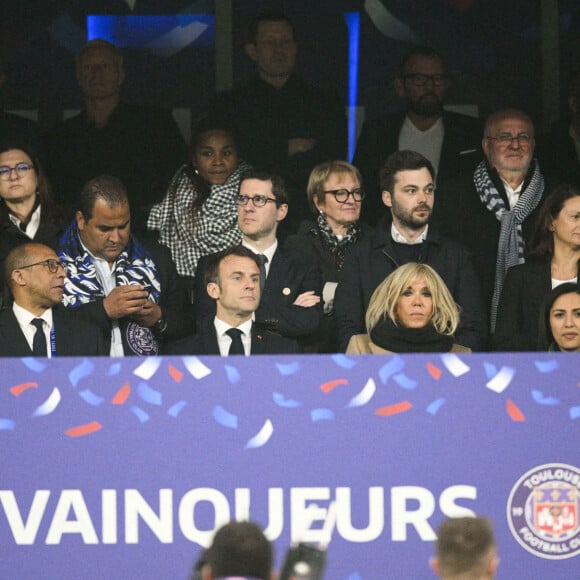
(402, 339)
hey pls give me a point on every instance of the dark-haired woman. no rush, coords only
(561, 320)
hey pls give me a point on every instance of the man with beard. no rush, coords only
(407, 183)
(448, 140)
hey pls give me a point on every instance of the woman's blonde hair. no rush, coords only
(384, 300)
(321, 173)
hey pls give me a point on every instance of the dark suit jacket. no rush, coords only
(291, 273)
(74, 337)
(204, 341)
(379, 138)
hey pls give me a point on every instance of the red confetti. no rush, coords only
(176, 374)
(434, 371)
(331, 385)
(393, 409)
(17, 390)
(122, 394)
(84, 429)
(514, 412)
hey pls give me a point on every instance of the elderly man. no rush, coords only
(131, 291)
(37, 324)
(493, 211)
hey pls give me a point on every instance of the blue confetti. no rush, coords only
(175, 409)
(490, 370)
(394, 365)
(7, 425)
(89, 397)
(434, 407)
(281, 401)
(404, 381)
(354, 576)
(33, 364)
(80, 372)
(225, 418)
(541, 400)
(574, 413)
(232, 374)
(321, 415)
(114, 369)
(288, 369)
(546, 366)
(343, 361)
(140, 414)
(149, 395)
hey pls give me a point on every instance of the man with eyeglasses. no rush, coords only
(36, 324)
(449, 140)
(291, 282)
(493, 210)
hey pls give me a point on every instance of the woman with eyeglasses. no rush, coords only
(27, 211)
(561, 319)
(198, 215)
(411, 310)
(335, 196)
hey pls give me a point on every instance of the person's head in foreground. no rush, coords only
(239, 549)
(561, 321)
(412, 311)
(465, 550)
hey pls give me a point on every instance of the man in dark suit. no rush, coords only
(292, 282)
(450, 141)
(233, 281)
(36, 324)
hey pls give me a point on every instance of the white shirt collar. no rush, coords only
(401, 239)
(268, 252)
(224, 340)
(33, 224)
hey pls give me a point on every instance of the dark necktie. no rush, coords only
(236, 335)
(262, 259)
(39, 340)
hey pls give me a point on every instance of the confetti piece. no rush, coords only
(321, 415)
(490, 370)
(33, 364)
(288, 369)
(454, 364)
(175, 409)
(225, 418)
(233, 374)
(354, 576)
(434, 371)
(142, 415)
(7, 425)
(501, 381)
(394, 409)
(82, 430)
(49, 405)
(331, 385)
(574, 413)
(394, 365)
(281, 401)
(262, 437)
(195, 367)
(91, 398)
(149, 395)
(404, 381)
(114, 369)
(514, 412)
(81, 371)
(343, 361)
(546, 366)
(364, 396)
(538, 396)
(434, 407)
(17, 390)
(122, 394)
(148, 367)
(175, 374)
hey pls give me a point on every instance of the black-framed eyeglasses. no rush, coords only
(257, 200)
(20, 168)
(420, 80)
(342, 195)
(507, 139)
(52, 265)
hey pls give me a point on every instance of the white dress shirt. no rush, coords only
(225, 341)
(24, 318)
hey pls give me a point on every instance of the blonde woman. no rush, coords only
(410, 311)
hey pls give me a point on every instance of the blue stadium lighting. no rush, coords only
(353, 24)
